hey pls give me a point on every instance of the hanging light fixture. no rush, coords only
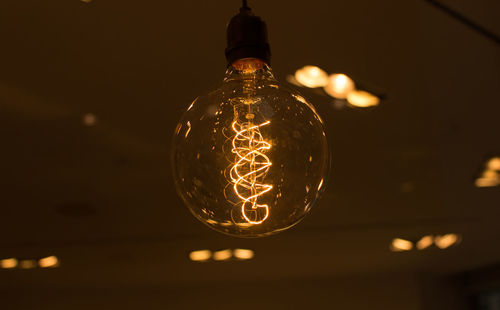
(250, 159)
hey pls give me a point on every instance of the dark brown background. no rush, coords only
(101, 198)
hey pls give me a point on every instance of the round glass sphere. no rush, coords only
(250, 159)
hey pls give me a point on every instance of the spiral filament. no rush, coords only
(250, 168)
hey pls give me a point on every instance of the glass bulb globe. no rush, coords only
(250, 159)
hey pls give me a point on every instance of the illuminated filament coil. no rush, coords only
(250, 168)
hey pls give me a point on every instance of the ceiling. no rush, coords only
(101, 197)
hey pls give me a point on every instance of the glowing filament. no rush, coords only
(249, 170)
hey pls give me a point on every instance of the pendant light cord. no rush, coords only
(244, 5)
(445, 9)
(464, 20)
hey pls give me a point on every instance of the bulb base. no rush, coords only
(247, 38)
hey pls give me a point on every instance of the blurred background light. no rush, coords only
(48, 262)
(362, 99)
(89, 119)
(399, 245)
(243, 254)
(200, 255)
(484, 182)
(222, 255)
(311, 76)
(489, 178)
(339, 85)
(494, 164)
(445, 241)
(8, 263)
(424, 242)
(291, 79)
(490, 174)
(27, 264)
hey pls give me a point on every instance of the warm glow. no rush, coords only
(399, 245)
(27, 264)
(248, 65)
(362, 99)
(188, 130)
(339, 85)
(222, 255)
(291, 79)
(490, 174)
(490, 177)
(200, 256)
(425, 242)
(320, 184)
(243, 254)
(48, 262)
(494, 164)
(250, 168)
(89, 119)
(311, 76)
(445, 241)
(8, 263)
(487, 182)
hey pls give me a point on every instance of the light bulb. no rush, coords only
(339, 85)
(311, 76)
(8, 263)
(243, 254)
(445, 241)
(250, 159)
(200, 255)
(362, 99)
(48, 262)
(399, 245)
(494, 164)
